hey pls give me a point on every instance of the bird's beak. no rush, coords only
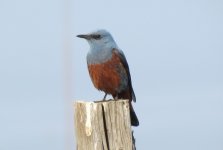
(85, 36)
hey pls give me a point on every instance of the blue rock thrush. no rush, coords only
(108, 68)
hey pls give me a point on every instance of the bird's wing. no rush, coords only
(126, 66)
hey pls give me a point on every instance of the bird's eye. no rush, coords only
(96, 36)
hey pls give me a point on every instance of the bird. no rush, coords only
(109, 69)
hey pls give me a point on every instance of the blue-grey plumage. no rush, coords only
(108, 68)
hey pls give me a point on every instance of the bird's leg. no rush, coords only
(105, 97)
(116, 97)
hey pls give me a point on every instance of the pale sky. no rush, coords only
(174, 49)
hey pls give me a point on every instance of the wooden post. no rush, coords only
(103, 125)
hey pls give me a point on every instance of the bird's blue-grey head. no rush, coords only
(99, 40)
(101, 45)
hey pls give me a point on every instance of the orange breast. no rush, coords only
(109, 76)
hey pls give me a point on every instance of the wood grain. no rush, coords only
(103, 125)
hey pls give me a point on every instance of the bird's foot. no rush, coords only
(116, 98)
(105, 97)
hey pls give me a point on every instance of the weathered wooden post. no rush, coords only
(103, 125)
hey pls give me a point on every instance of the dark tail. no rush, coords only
(127, 94)
(134, 119)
